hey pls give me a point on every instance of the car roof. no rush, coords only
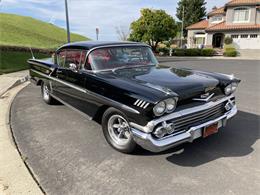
(93, 44)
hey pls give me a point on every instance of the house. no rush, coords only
(239, 19)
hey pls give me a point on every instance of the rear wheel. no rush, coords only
(116, 130)
(46, 94)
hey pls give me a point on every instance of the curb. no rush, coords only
(15, 178)
(170, 58)
(15, 84)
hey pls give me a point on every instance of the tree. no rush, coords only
(152, 27)
(194, 11)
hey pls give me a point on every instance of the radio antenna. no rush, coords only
(32, 53)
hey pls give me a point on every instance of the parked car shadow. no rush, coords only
(236, 139)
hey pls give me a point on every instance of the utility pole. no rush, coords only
(67, 21)
(182, 24)
(97, 33)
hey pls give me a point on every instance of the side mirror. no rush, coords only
(73, 67)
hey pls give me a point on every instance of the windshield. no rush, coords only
(121, 57)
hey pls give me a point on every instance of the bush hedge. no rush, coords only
(230, 51)
(228, 40)
(14, 58)
(163, 51)
(193, 52)
(4, 48)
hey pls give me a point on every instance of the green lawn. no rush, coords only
(15, 61)
(26, 31)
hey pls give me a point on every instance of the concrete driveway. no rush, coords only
(69, 155)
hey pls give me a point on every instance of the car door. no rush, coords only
(59, 76)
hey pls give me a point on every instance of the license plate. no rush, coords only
(211, 129)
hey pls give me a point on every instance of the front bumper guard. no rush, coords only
(147, 141)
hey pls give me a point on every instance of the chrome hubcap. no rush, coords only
(119, 130)
(45, 92)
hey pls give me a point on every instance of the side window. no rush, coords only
(73, 57)
(67, 57)
(61, 56)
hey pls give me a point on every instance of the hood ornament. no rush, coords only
(204, 97)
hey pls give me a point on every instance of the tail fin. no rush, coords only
(32, 53)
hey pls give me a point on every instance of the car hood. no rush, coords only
(185, 83)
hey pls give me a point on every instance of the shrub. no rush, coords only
(179, 52)
(193, 52)
(230, 53)
(228, 40)
(207, 52)
(163, 50)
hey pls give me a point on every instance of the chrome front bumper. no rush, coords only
(148, 142)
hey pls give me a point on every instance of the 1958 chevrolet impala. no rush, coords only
(121, 86)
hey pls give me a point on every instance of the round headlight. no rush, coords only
(170, 104)
(228, 90)
(231, 88)
(159, 108)
(234, 87)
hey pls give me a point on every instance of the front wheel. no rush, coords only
(116, 130)
(46, 94)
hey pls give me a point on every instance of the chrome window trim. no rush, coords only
(107, 46)
(87, 92)
(148, 128)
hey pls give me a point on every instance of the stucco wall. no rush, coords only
(258, 16)
(230, 14)
(209, 39)
(191, 34)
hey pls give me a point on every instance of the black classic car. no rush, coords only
(121, 86)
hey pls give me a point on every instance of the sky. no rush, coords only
(86, 15)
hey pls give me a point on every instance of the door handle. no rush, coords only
(58, 71)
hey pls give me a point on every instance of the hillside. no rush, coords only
(26, 31)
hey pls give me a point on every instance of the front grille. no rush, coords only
(185, 122)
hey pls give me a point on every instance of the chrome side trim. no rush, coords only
(39, 64)
(141, 103)
(136, 102)
(146, 105)
(146, 140)
(60, 81)
(88, 92)
(148, 128)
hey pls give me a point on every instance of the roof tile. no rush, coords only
(224, 26)
(242, 2)
(199, 25)
(217, 11)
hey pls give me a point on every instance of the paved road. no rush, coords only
(68, 154)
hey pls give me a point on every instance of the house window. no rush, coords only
(234, 36)
(216, 19)
(253, 36)
(244, 36)
(241, 14)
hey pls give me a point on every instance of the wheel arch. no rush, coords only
(39, 82)
(99, 113)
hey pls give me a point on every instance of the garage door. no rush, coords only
(247, 41)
